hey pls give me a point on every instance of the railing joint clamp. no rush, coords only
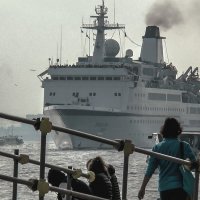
(129, 148)
(23, 159)
(42, 187)
(45, 126)
(76, 173)
(91, 176)
(120, 145)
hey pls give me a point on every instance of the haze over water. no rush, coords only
(77, 159)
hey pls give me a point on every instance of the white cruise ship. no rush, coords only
(118, 97)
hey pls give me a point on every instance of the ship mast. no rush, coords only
(100, 24)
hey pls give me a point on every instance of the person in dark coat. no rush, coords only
(101, 186)
(114, 181)
(57, 178)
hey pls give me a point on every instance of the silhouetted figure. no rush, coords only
(59, 179)
(101, 186)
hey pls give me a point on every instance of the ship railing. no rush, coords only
(45, 126)
(112, 26)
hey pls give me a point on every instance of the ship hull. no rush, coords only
(109, 125)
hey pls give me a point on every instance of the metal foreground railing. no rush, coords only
(43, 187)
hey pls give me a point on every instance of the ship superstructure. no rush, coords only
(118, 97)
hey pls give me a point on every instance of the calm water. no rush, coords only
(77, 159)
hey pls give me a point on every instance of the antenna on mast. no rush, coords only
(114, 11)
(61, 45)
(57, 60)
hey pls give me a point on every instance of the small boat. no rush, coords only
(11, 140)
(2, 141)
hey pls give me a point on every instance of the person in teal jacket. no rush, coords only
(170, 179)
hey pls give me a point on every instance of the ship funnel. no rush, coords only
(152, 49)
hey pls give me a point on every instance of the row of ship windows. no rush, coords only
(52, 94)
(116, 94)
(86, 78)
(76, 94)
(151, 94)
(139, 95)
(152, 121)
(160, 97)
(154, 108)
(195, 123)
(146, 121)
(193, 110)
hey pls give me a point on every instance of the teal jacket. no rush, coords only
(169, 174)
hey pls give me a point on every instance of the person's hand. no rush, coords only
(141, 193)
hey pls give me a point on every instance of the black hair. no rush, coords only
(88, 163)
(171, 128)
(55, 177)
(97, 165)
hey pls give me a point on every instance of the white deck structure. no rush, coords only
(118, 97)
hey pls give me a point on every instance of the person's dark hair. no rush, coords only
(171, 128)
(97, 165)
(88, 163)
(111, 169)
(55, 177)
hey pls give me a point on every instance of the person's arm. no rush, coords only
(188, 152)
(141, 192)
(152, 165)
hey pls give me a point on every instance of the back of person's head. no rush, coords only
(88, 163)
(97, 165)
(55, 177)
(171, 128)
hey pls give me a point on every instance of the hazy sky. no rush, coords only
(30, 33)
